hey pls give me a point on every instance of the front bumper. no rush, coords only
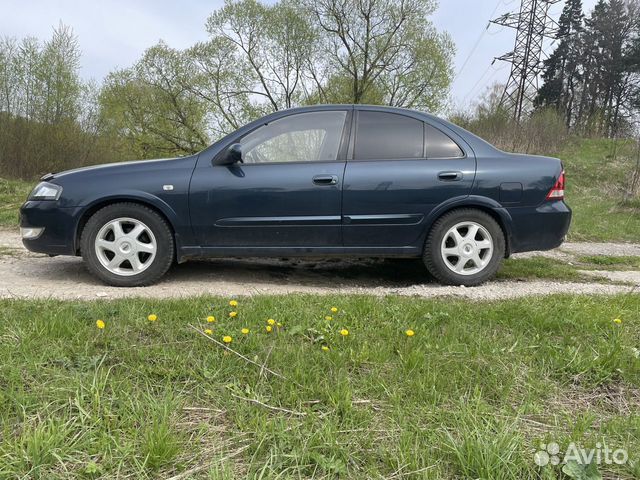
(541, 228)
(59, 235)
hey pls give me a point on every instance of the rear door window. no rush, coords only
(384, 136)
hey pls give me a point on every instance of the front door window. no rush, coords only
(304, 137)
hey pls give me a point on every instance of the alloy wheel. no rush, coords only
(125, 246)
(467, 248)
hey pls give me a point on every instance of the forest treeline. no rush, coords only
(261, 58)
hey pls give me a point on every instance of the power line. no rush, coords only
(485, 83)
(533, 25)
(477, 43)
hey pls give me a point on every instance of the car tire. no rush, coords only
(127, 245)
(464, 247)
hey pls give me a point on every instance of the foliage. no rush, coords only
(386, 50)
(543, 132)
(48, 117)
(593, 77)
(151, 106)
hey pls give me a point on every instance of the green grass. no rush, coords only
(471, 395)
(541, 268)
(560, 270)
(13, 193)
(611, 262)
(598, 175)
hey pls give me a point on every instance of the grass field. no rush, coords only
(471, 395)
(598, 173)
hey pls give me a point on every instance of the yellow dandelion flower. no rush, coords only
(208, 331)
(227, 339)
(100, 324)
(617, 320)
(268, 328)
(328, 318)
(233, 303)
(271, 321)
(334, 309)
(325, 348)
(152, 318)
(233, 314)
(211, 319)
(344, 332)
(279, 324)
(245, 331)
(410, 333)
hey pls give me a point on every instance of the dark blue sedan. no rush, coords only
(329, 180)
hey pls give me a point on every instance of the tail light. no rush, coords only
(557, 192)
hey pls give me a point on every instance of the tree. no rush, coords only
(152, 107)
(607, 81)
(384, 49)
(44, 120)
(590, 78)
(562, 69)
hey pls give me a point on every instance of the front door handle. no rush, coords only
(325, 179)
(450, 176)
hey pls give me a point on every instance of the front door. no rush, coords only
(402, 168)
(287, 192)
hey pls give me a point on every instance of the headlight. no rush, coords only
(46, 191)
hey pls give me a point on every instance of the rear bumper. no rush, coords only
(541, 228)
(58, 237)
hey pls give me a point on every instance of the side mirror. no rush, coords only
(231, 156)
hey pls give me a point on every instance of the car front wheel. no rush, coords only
(464, 247)
(127, 245)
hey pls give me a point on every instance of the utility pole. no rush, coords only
(533, 25)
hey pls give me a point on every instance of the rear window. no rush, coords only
(384, 136)
(440, 145)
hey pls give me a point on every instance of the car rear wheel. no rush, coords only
(464, 247)
(127, 245)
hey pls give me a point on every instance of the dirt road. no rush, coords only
(27, 275)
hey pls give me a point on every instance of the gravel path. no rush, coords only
(27, 275)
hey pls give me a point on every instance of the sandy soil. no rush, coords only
(27, 275)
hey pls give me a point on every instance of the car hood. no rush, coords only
(110, 167)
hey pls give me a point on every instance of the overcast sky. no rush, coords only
(114, 33)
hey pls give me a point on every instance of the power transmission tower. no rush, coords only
(533, 24)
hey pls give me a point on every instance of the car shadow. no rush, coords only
(367, 273)
(307, 272)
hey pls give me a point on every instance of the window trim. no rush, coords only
(352, 144)
(342, 147)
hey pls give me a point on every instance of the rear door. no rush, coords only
(286, 193)
(400, 169)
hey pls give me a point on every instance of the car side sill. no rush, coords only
(204, 252)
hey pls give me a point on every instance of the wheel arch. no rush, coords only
(484, 204)
(153, 203)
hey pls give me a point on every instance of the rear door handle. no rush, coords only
(450, 176)
(325, 179)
